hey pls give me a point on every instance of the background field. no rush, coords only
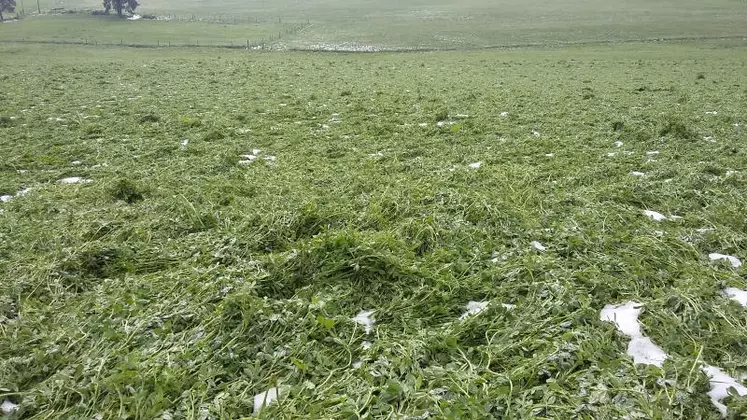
(336, 24)
(181, 282)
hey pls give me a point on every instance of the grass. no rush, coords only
(179, 283)
(82, 28)
(389, 24)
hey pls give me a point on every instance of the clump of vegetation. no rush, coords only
(149, 118)
(5, 121)
(127, 191)
(676, 127)
(618, 126)
(213, 135)
(190, 122)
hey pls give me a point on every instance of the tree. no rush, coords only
(7, 6)
(120, 6)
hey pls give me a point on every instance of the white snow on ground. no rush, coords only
(5, 198)
(474, 308)
(8, 407)
(535, 133)
(377, 154)
(737, 295)
(549, 155)
(185, 142)
(364, 318)
(504, 114)
(134, 17)
(720, 384)
(711, 112)
(265, 398)
(475, 165)
(618, 144)
(654, 215)
(74, 180)
(423, 125)
(709, 139)
(641, 348)
(634, 173)
(735, 262)
(652, 152)
(538, 246)
(366, 345)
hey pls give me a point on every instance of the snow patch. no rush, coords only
(504, 114)
(8, 407)
(474, 308)
(74, 180)
(652, 152)
(366, 345)
(538, 246)
(641, 348)
(611, 154)
(475, 165)
(549, 155)
(185, 142)
(737, 295)
(654, 215)
(720, 384)
(364, 318)
(619, 144)
(265, 399)
(535, 133)
(711, 112)
(634, 173)
(735, 262)
(135, 17)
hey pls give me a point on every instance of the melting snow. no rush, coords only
(364, 318)
(134, 17)
(735, 262)
(8, 407)
(504, 114)
(185, 142)
(538, 246)
(711, 112)
(535, 133)
(74, 180)
(475, 165)
(474, 308)
(709, 139)
(357, 365)
(634, 173)
(5, 198)
(549, 155)
(737, 295)
(423, 125)
(652, 152)
(366, 345)
(618, 144)
(641, 348)
(654, 215)
(265, 398)
(720, 384)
